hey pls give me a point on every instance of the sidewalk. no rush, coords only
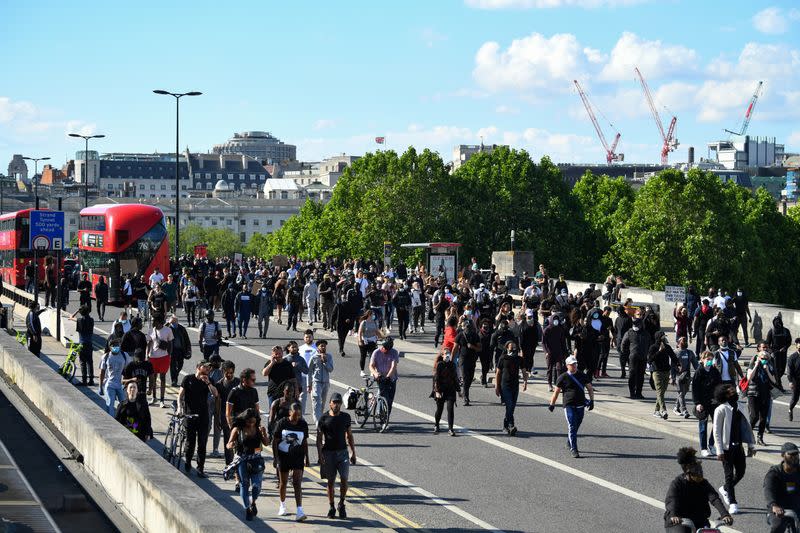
(363, 512)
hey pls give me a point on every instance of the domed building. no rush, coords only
(260, 145)
(222, 190)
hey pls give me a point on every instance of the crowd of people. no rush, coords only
(478, 317)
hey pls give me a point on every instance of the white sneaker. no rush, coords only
(282, 509)
(301, 516)
(705, 453)
(724, 495)
(153, 402)
(363, 374)
(733, 509)
(162, 405)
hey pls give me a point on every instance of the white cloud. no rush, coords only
(548, 4)
(534, 61)
(594, 55)
(774, 20)
(23, 118)
(506, 110)
(718, 100)
(80, 127)
(759, 61)
(323, 124)
(654, 58)
(794, 140)
(430, 37)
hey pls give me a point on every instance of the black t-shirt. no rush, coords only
(242, 398)
(574, 395)
(279, 373)
(335, 429)
(141, 370)
(290, 441)
(462, 339)
(195, 395)
(509, 366)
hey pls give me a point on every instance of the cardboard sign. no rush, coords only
(674, 293)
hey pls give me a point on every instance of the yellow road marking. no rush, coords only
(392, 516)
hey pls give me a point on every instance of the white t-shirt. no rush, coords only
(164, 334)
(307, 350)
(156, 278)
(719, 301)
(725, 356)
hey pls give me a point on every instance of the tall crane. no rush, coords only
(611, 154)
(749, 113)
(670, 142)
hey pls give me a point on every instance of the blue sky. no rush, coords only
(330, 76)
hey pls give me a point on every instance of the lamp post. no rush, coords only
(35, 172)
(177, 165)
(86, 164)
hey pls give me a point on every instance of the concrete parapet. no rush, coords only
(152, 493)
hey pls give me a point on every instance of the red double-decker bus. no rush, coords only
(15, 250)
(120, 239)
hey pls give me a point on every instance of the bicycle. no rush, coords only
(176, 436)
(67, 369)
(370, 403)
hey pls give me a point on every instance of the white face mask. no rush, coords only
(635, 328)
(556, 322)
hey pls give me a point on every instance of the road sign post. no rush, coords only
(46, 235)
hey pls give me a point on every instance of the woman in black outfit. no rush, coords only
(135, 414)
(101, 296)
(445, 389)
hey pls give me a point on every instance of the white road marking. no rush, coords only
(499, 444)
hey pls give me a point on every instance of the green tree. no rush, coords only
(605, 203)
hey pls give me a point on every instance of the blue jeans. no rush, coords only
(243, 321)
(387, 388)
(702, 426)
(509, 396)
(113, 392)
(247, 480)
(574, 418)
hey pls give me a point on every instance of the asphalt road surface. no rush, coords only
(483, 479)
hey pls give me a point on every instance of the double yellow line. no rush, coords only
(387, 513)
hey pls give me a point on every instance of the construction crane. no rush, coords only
(670, 142)
(611, 154)
(749, 113)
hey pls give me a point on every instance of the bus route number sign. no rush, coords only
(47, 230)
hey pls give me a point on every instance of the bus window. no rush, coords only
(93, 222)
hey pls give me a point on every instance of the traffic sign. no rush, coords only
(47, 230)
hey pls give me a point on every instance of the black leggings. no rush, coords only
(341, 332)
(758, 408)
(191, 312)
(87, 362)
(366, 351)
(101, 310)
(467, 375)
(440, 403)
(795, 396)
(733, 465)
(402, 321)
(486, 365)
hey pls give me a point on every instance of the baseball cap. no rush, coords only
(789, 447)
(571, 360)
(529, 312)
(336, 397)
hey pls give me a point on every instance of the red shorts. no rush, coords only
(160, 364)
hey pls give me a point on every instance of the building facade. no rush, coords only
(260, 145)
(463, 152)
(745, 152)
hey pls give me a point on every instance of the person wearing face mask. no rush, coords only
(554, 343)
(485, 335)
(402, 304)
(572, 383)
(704, 382)
(506, 381)
(190, 296)
(731, 432)
(111, 368)
(689, 496)
(726, 361)
(445, 390)
(681, 373)
(635, 347)
(440, 305)
(622, 324)
(779, 340)
(760, 380)
(742, 309)
(594, 335)
(782, 490)
(500, 338)
(528, 331)
(468, 346)
(701, 319)
(662, 358)
(264, 304)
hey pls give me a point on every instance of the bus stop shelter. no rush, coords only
(440, 257)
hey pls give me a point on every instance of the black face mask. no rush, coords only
(792, 460)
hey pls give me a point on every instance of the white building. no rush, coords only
(743, 152)
(463, 152)
(327, 172)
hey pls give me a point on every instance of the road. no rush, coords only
(483, 479)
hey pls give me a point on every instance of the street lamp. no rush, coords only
(86, 164)
(177, 155)
(36, 171)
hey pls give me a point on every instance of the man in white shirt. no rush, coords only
(156, 277)
(720, 301)
(307, 350)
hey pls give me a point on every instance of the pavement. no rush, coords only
(482, 479)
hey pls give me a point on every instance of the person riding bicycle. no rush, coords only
(782, 490)
(383, 367)
(689, 495)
